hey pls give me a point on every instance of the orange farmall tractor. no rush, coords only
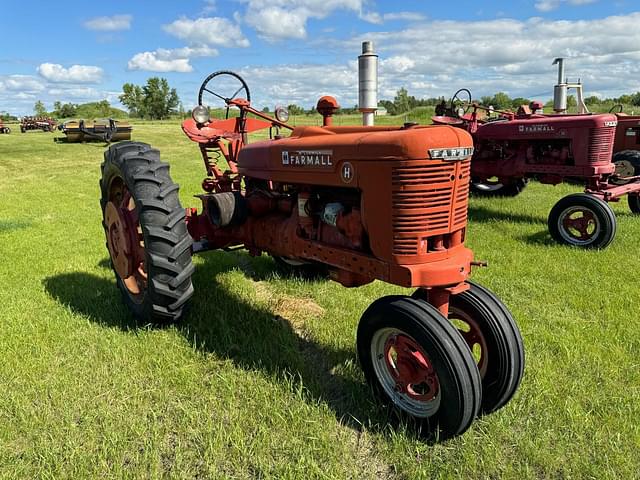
(363, 203)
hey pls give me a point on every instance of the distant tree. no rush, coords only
(132, 98)
(592, 100)
(7, 117)
(39, 109)
(401, 101)
(295, 109)
(501, 101)
(103, 108)
(265, 110)
(519, 101)
(160, 100)
(64, 110)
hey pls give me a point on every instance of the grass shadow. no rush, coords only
(542, 238)
(12, 225)
(252, 335)
(483, 215)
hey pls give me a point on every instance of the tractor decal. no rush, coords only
(308, 158)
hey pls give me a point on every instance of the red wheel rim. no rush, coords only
(471, 332)
(410, 366)
(405, 372)
(578, 225)
(124, 239)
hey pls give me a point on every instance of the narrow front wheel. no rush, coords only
(582, 220)
(418, 365)
(493, 337)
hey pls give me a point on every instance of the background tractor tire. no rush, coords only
(599, 232)
(627, 163)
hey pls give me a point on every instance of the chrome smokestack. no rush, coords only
(560, 90)
(368, 83)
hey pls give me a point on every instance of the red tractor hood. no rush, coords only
(541, 126)
(320, 151)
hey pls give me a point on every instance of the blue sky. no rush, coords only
(293, 51)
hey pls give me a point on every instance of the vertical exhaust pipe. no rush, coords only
(560, 90)
(368, 83)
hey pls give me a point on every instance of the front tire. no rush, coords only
(492, 335)
(147, 238)
(633, 199)
(582, 220)
(417, 364)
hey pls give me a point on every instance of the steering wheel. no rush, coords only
(456, 97)
(224, 81)
(618, 107)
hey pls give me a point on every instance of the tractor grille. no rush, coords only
(601, 144)
(428, 199)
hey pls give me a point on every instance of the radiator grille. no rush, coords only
(601, 144)
(428, 199)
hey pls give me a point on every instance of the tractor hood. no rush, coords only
(317, 154)
(542, 126)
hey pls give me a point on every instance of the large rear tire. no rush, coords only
(418, 365)
(147, 238)
(627, 163)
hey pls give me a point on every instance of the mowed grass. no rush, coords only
(261, 379)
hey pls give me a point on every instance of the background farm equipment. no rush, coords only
(105, 130)
(45, 124)
(4, 128)
(512, 148)
(359, 202)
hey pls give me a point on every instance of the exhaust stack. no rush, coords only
(368, 83)
(560, 91)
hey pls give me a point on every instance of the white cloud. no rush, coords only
(548, 5)
(372, 17)
(209, 6)
(21, 83)
(213, 31)
(75, 74)
(174, 60)
(281, 19)
(487, 57)
(109, 24)
(378, 19)
(149, 61)
(406, 16)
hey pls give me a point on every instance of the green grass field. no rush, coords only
(261, 379)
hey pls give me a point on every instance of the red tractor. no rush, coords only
(512, 148)
(364, 203)
(4, 128)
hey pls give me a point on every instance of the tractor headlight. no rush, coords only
(282, 114)
(200, 114)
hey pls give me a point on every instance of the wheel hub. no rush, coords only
(118, 241)
(580, 224)
(409, 365)
(624, 168)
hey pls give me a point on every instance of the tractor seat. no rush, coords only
(207, 133)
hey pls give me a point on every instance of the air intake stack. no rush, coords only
(368, 83)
